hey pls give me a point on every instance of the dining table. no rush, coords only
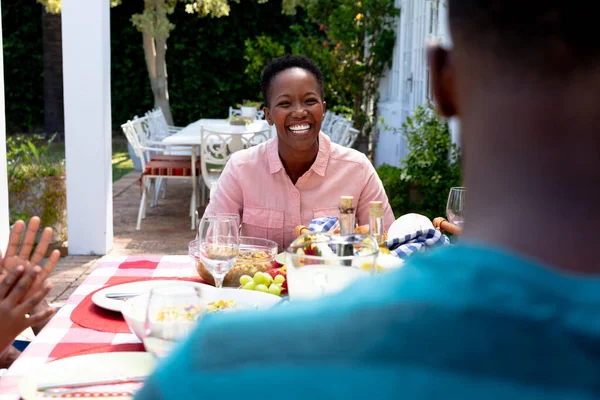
(81, 327)
(190, 136)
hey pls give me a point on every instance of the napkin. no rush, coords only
(325, 224)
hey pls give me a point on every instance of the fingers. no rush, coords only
(42, 247)
(9, 280)
(46, 271)
(50, 263)
(14, 239)
(22, 286)
(29, 239)
(41, 316)
(31, 301)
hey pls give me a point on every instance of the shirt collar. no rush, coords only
(319, 166)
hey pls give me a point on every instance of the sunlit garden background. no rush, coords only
(213, 59)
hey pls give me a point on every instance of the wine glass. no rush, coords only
(455, 209)
(219, 245)
(235, 216)
(171, 314)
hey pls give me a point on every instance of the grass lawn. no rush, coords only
(121, 163)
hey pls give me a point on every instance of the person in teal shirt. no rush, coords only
(513, 310)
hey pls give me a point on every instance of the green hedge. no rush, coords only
(205, 61)
(431, 167)
(23, 80)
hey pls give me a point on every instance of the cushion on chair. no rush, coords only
(171, 168)
(169, 157)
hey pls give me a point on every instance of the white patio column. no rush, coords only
(86, 70)
(4, 226)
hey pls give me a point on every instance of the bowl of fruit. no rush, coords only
(256, 255)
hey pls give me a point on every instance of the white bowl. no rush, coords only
(134, 310)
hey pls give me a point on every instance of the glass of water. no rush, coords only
(171, 314)
(219, 244)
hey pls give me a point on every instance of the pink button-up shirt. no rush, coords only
(254, 184)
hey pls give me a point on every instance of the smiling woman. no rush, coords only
(300, 174)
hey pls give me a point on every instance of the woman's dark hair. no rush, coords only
(284, 63)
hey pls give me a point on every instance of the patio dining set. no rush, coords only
(200, 151)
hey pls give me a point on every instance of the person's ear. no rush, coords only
(442, 80)
(324, 107)
(268, 115)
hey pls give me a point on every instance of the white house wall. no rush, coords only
(406, 84)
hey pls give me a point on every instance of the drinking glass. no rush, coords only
(455, 209)
(171, 314)
(218, 245)
(233, 215)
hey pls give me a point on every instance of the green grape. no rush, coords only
(245, 279)
(249, 286)
(279, 279)
(261, 288)
(268, 278)
(260, 279)
(275, 289)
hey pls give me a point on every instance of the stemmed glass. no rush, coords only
(236, 217)
(455, 209)
(171, 314)
(219, 244)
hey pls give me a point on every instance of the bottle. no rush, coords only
(376, 221)
(347, 218)
(347, 223)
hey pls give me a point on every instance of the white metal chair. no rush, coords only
(350, 137)
(159, 129)
(326, 124)
(159, 152)
(157, 168)
(339, 128)
(217, 147)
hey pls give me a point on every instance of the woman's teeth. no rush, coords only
(299, 129)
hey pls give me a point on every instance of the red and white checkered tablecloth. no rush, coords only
(62, 337)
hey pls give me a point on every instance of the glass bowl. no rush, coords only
(256, 254)
(320, 263)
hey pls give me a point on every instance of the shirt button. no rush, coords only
(296, 194)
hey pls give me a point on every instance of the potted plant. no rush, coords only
(249, 108)
(36, 184)
(235, 120)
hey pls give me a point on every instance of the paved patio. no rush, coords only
(166, 230)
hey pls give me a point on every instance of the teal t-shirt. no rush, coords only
(464, 322)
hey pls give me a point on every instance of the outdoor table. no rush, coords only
(191, 136)
(62, 337)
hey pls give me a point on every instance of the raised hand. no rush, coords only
(16, 256)
(17, 302)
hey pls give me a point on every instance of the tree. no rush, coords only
(155, 27)
(352, 41)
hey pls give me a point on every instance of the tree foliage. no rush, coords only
(155, 26)
(205, 59)
(352, 41)
(430, 169)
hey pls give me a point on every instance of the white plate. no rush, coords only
(86, 367)
(99, 298)
(134, 310)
